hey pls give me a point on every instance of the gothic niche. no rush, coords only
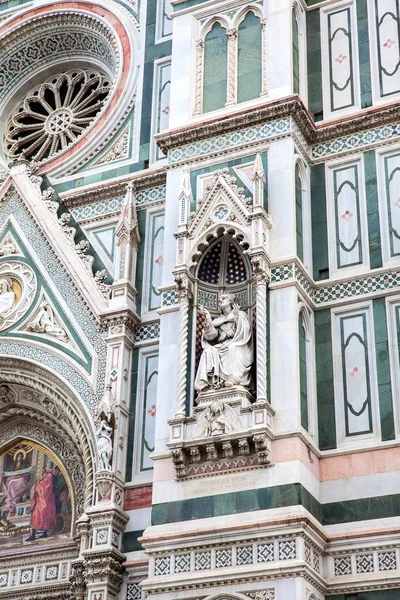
(230, 426)
(35, 498)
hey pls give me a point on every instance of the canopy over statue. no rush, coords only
(227, 348)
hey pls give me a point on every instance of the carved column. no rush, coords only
(184, 291)
(231, 34)
(198, 93)
(260, 277)
(263, 23)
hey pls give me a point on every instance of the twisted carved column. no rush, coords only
(260, 277)
(184, 295)
(263, 23)
(198, 95)
(231, 34)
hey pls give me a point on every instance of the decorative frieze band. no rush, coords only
(105, 208)
(320, 295)
(250, 553)
(37, 575)
(365, 562)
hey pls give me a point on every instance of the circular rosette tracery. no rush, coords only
(56, 113)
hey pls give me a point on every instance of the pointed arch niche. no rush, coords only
(222, 268)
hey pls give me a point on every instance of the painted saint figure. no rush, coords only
(227, 348)
(15, 484)
(7, 296)
(43, 504)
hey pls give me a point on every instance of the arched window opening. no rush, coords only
(295, 53)
(303, 372)
(249, 58)
(215, 69)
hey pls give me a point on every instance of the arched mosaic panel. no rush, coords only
(35, 499)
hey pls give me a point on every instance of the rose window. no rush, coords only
(56, 113)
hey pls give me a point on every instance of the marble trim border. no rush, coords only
(361, 129)
(333, 292)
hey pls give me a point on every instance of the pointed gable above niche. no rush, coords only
(223, 201)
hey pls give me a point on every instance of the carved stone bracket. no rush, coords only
(225, 434)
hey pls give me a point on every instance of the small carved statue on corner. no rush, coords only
(105, 430)
(227, 348)
(217, 419)
(104, 445)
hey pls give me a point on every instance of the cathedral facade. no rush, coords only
(199, 300)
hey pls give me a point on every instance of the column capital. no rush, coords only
(184, 287)
(231, 34)
(260, 266)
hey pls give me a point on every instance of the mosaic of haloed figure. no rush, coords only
(35, 498)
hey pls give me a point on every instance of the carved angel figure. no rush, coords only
(45, 322)
(216, 419)
(227, 348)
(104, 445)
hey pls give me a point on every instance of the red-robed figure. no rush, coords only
(43, 504)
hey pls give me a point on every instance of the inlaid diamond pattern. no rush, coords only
(3, 579)
(223, 557)
(387, 561)
(182, 563)
(364, 563)
(162, 565)
(134, 591)
(148, 332)
(26, 576)
(101, 536)
(342, 565)
(51, 572)
(244, 555)
(202, 561)
(169, 298)
(281, 273)
(287, 549)
(265, 552)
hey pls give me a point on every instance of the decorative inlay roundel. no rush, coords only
(55, 114)
(17, 292)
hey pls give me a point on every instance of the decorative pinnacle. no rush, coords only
(128, 218)
(258, 172)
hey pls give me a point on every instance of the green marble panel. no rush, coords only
(249, 58)
(325, 391)
(383, 370)
(215, 69)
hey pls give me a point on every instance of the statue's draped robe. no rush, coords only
(227, 352)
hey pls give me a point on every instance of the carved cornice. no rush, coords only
(48, 592)
(142, 180)
(121, 318)
(290, 106)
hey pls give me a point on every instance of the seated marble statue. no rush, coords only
(227, 348)
(7, 296)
